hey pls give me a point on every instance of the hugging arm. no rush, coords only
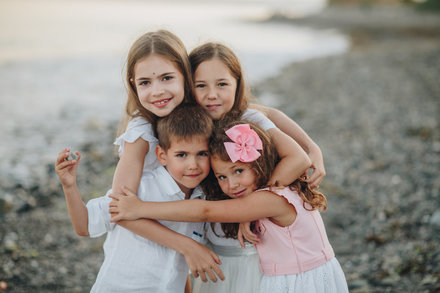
(259, 204)
(199, 258)
(292, 129)
(294, 161)
(128, 173)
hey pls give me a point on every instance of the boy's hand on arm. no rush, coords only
(125, 206)
(201, 261)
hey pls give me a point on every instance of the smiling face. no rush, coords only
(159, 84)
(235, 179)
(215, 87)
(186, 160)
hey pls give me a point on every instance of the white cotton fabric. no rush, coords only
(259, 118)
(138, 127)
(242, 272)
(132, 263)
(327, 278)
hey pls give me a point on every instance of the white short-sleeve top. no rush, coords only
(136, 128)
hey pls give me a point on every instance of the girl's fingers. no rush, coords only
(64, 164)
(240, 238)
(115, 198)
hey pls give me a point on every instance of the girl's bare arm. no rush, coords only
(294, 161)
(291, 128)
(260, 204)
(128, 174)
(66, 171)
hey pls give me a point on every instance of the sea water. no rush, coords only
(62, 62)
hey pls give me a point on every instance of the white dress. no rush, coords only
(132, 263)
(239, 265)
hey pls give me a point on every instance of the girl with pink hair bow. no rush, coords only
(294, 252)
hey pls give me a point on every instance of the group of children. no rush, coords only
(191, 133)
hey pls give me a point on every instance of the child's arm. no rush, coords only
(129, 168)
(66, 171)
(258, 205)
(294, 161)
(291, 128)
(199, 258)
(127, 174)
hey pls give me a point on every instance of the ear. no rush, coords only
(161, 155)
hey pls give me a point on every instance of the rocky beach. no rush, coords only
(375, 113)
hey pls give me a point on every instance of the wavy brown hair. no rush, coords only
(262, 167)
(209, 51)
(167, 45)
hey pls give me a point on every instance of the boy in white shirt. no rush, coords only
(133, 263)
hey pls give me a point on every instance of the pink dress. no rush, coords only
(299, 257)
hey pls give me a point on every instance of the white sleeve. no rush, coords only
(99, 215)
(137, 127)
(259, 118)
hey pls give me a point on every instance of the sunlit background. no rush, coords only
(62, 62)
(360, 76)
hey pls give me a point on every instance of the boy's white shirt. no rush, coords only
(133, 263)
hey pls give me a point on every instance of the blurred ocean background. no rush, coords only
(62, 62)
(360, 76)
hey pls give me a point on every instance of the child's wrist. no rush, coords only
(185, 245)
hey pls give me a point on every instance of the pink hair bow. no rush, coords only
(245, 144)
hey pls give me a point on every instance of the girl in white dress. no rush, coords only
(158, 80)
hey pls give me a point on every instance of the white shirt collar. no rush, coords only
(170, 187)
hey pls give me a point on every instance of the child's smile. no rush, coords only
(187, 161)
(161, 90)
(235, 179)
(215, 87)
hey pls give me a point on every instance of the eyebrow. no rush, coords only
(161, 75)
(217, 80)
(182, 151)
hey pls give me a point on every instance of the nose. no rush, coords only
(192, 163)
(157, 89)
(233, 182)
(212, 94)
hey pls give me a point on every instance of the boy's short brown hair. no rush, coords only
(184, 122)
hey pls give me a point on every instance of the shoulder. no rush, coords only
(259, 118)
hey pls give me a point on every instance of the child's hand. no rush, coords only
(124, 206)
(203, 261)
(66, 170)
(318, 170)
(244, 232)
